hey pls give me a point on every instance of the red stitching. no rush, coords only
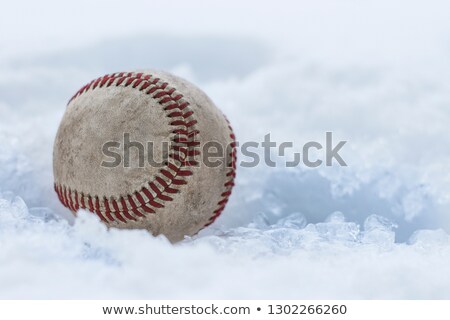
(124, 208)
(183, 123)
(82, 202)
(151, 198)
(108, 210)
(178, 182)
(231, 174)
(185, 132)
(134, 208)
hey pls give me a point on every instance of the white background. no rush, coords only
(371, 310)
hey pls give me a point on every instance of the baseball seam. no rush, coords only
(229, 184)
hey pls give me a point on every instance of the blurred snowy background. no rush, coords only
(376, 73)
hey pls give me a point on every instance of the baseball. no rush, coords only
(132, 148)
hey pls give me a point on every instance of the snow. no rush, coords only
(376, 74)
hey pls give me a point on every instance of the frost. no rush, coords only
(379, 231)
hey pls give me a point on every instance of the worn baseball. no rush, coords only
(132, 148)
